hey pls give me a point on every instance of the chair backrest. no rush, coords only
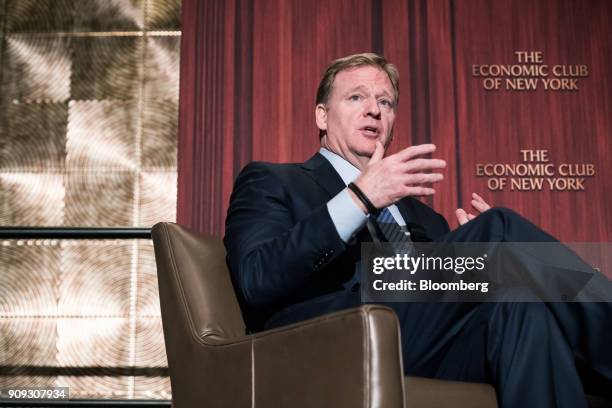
(196, 293)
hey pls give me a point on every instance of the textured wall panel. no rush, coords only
(16, 380)
(107, 15)
(162, 68)
(114, 62)
(2, 19)
(163, 15)
(100, 198)
(147, 297)
(39, 15)
(96, 278)
(152, 387)
(37, 68)
(32, 199)
(21, 347)
(157, 197)
(29, 279)
(150, 352)
(149, 341)
(102, 135)
(97, 386)
(159, 135)
(24, 343)
(88, 112)
(150, 344)
(88, 320)
(91, 342)
(34, 137)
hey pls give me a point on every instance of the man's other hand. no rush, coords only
(478, 204)
(386, 180)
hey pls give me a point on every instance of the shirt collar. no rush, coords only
(346, 170)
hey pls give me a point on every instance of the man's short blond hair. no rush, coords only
(353, 61)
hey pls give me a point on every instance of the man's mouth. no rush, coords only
(370, 130)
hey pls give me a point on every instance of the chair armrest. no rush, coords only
(350, 358)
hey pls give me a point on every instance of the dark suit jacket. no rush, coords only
(285, 256)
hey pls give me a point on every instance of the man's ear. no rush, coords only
(321, 116)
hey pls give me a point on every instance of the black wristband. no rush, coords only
(364, 199)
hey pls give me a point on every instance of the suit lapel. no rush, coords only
(406, 208)
(324, 174)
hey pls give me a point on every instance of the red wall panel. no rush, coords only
(250, 69)
(573, 126)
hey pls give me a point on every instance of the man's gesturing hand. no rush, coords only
(479, 204)
(387, 180)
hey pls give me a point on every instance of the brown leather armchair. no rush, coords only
(350, 358)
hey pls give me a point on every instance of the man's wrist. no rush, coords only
(347, 216)
(357, 201)
(361, 196)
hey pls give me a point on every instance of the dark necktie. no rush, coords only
(392, 232)
(384, 228)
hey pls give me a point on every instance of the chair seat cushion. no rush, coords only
(430, 393)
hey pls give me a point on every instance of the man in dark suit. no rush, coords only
(294, 234)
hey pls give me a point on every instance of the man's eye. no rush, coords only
(386, 103)
(354, 97)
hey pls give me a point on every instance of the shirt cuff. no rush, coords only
(346, 215)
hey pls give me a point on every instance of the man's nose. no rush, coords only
(371, 108)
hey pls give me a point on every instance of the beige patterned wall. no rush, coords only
(88, 117)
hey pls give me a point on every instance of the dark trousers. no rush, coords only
(527, 350)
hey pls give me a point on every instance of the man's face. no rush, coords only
(359, 112)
